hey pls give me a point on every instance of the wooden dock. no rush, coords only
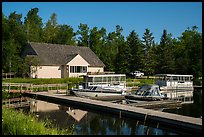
(183, 124)
(157, 104)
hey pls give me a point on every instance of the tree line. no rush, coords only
(121, 55)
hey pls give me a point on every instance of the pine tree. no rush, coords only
(136, 50)
(33, 24)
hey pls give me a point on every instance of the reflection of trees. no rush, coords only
(132, 126)
(95, 125)
(197, 97)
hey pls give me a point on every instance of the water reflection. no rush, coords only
(90, 123)
(193, 110)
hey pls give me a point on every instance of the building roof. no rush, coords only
(56, 54)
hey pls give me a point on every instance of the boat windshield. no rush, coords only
(148, 91)
(143, 91)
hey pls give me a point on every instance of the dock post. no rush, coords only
(145, 118)
(158, 125)
(147, 130)
(31, 87)
(120, 114)
(67, 89)
(21, 88)
(9, 87)
(137, 123)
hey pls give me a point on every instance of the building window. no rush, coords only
(78, 69)
(72, 69)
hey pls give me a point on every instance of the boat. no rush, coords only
(147, 92)
(105, 80)
(102, 84)
(96, 91)
(174, 85)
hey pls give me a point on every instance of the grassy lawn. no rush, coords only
(139, 82)
(43, 80)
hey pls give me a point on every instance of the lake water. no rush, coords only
(92, 123)
(193, 110)
(95, 123)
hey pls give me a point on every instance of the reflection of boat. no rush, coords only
(148, 92)
(174, 86)
(95, 91)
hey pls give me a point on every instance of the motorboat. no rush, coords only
(102, 84)
(148, 92)
(96, 91)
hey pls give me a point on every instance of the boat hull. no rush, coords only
(133, 97)
(95, 94)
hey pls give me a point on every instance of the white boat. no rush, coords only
(174, 85)
(115, 82)
(95, 91)
(148, 92)
(102, 85)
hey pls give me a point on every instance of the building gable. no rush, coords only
(78, 60)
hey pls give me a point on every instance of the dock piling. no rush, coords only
(145, 118)
(158, 125)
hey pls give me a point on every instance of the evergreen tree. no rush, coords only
(13, 41)
(148, 39)
(165, 56)
(122, 60)
(65, 35)
(33, 24)
(50, 29)
(148, 59)
(95, 42)
(136, 47)
(84, 35)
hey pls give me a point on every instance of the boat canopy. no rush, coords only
(105, 78)
(148, 90)
(174, 77)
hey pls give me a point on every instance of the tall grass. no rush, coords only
(18, 123)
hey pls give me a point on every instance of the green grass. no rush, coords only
(43, 80)
(139, 82)
(18, 123)
(146, 81)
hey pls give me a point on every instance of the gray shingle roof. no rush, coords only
(55, 54)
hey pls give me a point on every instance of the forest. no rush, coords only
(182, 55)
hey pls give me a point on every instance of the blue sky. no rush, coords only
(175, 17)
